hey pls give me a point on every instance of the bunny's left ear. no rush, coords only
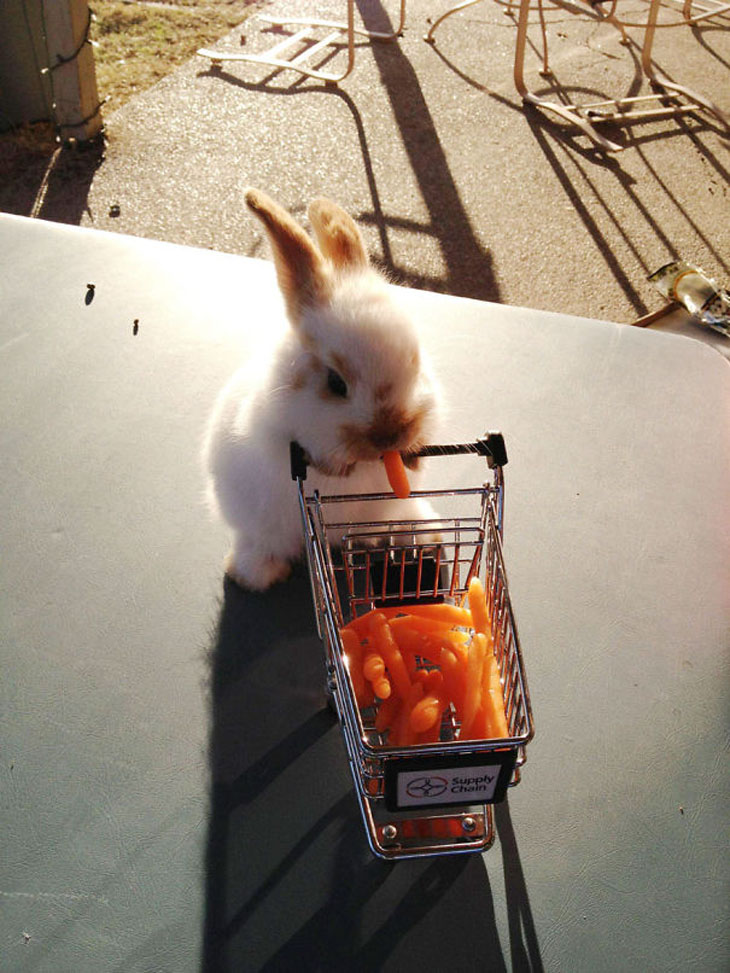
(337, 235)
(303, 276)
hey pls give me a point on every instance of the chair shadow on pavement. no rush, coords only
(467, 265)
(290, 881)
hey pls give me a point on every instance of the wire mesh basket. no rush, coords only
(420, 798)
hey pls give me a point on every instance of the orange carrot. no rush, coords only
(490, 674)
(432, 679)
(387, 713)
(361, 624)
(427, 711)
(496, 722)
(460, 650)
(432, 735)
(420, 623)
(478, 729)
(490, 722)
(478, 607)
(373, 668)
(403, 733)
(387, 647)
(409, 642)
(353, 654)
(443, 612)
(427, 646)
(474, 669)
(396, 472)
(453, 679)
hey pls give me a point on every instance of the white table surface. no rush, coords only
(171, 786)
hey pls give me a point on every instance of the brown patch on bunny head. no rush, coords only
(301, 271)
(389, 427)
(337, 235)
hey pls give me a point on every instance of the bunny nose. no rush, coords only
(389, 427)
(384, 440)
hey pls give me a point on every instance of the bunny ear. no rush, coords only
(337, 235)
(300, 269)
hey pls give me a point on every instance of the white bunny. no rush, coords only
(347, 381)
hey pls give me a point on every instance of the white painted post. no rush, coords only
(77, 109)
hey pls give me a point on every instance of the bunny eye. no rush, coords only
(336, 384)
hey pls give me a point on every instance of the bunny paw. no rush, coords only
(256, 572)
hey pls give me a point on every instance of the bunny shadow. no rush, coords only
(290, 881)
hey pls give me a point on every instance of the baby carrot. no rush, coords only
(432, 735)
(432, 679)
(474, 669)
(387, 713)
(490, 722)
(478, 729)
(496, 719)
(373, 668)
(460, 650)
(490, 674)
(388, 649)
(425, 713)
(396, 472)
(403, 733)
(424, 646)
(353, 654)
(453, 679)
(420, 623)
(478, 607)
(361, 624)
(443, 612)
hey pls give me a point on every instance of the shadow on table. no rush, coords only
(290, 881)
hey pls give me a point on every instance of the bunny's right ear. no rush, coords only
(337, 235)
(300, 268)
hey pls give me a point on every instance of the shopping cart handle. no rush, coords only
(491, 445)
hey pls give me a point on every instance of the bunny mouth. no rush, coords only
(342, 469)
(329, 468)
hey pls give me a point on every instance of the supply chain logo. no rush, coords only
(457, 785)
(427, 787)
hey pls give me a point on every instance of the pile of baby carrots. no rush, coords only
(415, 661)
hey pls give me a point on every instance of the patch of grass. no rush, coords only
(139, 42)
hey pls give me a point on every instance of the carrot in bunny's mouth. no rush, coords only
(397, 475)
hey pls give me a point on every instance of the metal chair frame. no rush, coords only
(620, 111)
(295, 51)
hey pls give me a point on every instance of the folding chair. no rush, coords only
(295, 51)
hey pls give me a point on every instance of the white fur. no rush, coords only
(267, 405)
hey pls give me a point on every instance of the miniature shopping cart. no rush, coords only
(429, 798)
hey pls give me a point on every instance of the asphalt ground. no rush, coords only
(459, 187)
